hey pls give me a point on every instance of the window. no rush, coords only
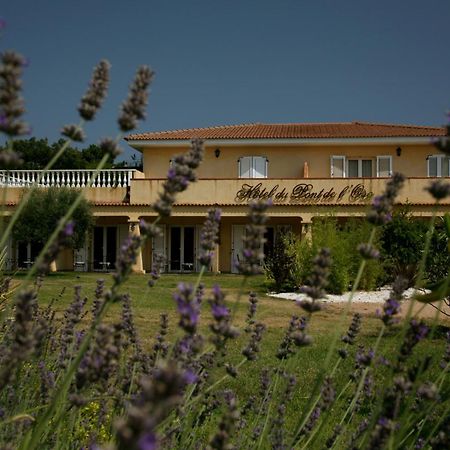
(338, 167)
(252, 167)
(357, 168)
(384, 166)
(438, 166)
(343, 167)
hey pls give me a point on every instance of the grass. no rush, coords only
(149, 303)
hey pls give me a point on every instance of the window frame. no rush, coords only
(375, 162)
(440, 163)
(379, 158)
(252, 169)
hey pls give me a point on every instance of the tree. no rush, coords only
(45, 209)
(36, 153)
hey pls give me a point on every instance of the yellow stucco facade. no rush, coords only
(304, 178)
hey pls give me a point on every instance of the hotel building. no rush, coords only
(308, 170)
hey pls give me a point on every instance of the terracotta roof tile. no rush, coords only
(294, 131)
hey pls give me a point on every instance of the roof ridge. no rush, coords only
(384, 124)
(214, 127)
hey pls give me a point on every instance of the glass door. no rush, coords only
(182, 249)
(104, 248)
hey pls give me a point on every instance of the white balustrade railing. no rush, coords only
(67, 177)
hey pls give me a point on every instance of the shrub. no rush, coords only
(438, 260)
(302, 253)
(278, 265)
(38, 221)
(326, 233)
(402, 242)
(358, 230)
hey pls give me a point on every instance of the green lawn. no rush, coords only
(149, 303)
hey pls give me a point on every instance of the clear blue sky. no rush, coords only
(223, 62)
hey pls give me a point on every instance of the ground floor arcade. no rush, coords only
(179, 242)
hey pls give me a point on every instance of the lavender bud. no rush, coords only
(381, 211)
(316, 283)
(73, 132)
(110, 147)
(11, 101)
(231, 370)
(95, 95)
(301, 339)
(9, 159)
(368, 251)
(221, 440)
(391, 306)
(252, 349)
(179, 176)
(353, 330)
(133, 108)
(23, 340)
(439, 189)
(254, 239)
(188, 307)
(127, 257)
(209, 237)
(221, 327)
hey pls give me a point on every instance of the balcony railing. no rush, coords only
(70, 178)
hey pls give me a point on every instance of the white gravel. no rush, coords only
(378, 296)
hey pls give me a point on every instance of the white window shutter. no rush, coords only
(338, 166)
(259, 167)
(245, 167)
(384, 166)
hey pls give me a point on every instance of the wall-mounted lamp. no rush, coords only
(398, 151)
(217, 152)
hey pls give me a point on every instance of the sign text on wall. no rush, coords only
(304, 193)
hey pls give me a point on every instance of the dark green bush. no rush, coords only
(402, 242)
(278, 264)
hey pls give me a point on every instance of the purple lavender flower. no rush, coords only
(62, 240)
(228, 423)
(221, 328)
(188, 307)
(254, 239)
(157, 267)
(391, 306)
(252, 348)
(381, 211)
(127, 257)
(209, 237)
(179, 176)
(316, 283)
(159, 395)
(23, 335)
(416, 332)
(148, 442)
